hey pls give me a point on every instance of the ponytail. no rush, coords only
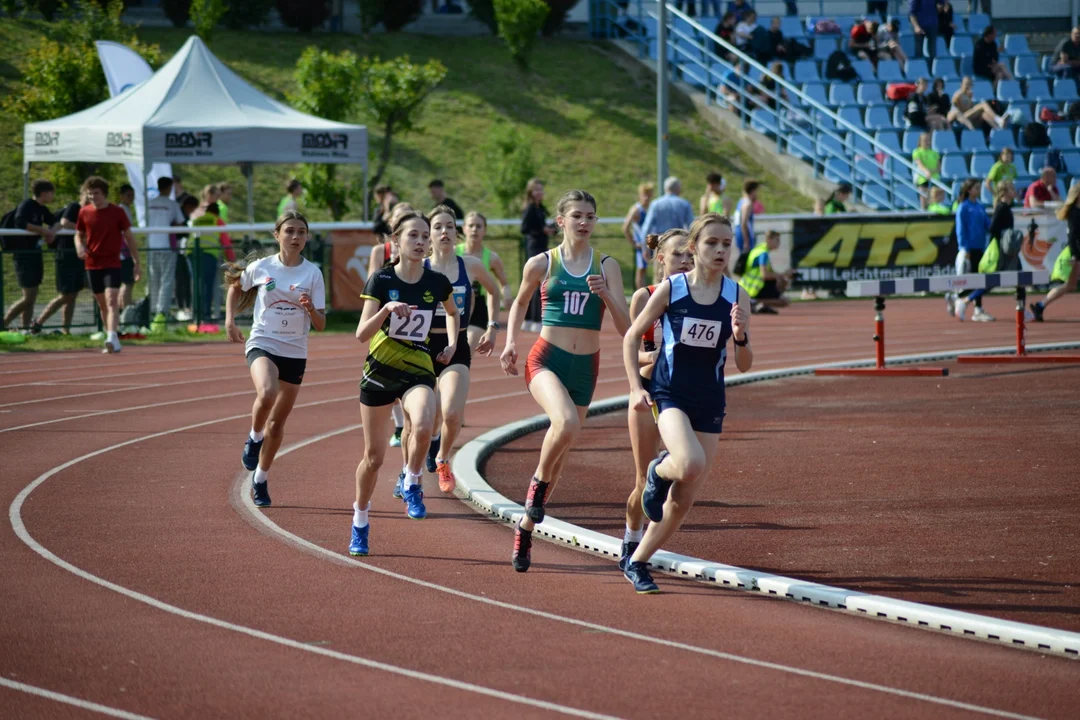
(233, 273)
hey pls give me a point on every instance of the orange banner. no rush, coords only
(348, 267)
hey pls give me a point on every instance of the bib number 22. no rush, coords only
(413, 328)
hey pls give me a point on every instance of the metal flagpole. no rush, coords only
(661, 99)
(249, 172)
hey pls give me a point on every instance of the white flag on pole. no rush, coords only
(124, 69)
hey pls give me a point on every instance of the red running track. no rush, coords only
(211, 612)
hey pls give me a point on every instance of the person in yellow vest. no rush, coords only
(937, 202)
(294, 193)
(764, 285)
(224, 198)
(208, 261)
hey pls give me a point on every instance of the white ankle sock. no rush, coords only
(360, 517)
(260, 475)
(437, 436)
(256, 436)
(399, 416)
(633, 535)
(411, 479)
(113, 337)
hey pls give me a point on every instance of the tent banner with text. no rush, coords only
(350, 250)
(827, 251)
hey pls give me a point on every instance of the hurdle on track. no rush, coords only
(880, 289)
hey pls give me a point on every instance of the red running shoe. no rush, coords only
(447, 481)
(522, 557)
(534, 501)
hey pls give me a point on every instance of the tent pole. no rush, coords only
(249, 171)
(26, 182)
(367, 204)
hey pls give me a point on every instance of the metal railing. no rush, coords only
(801, 126)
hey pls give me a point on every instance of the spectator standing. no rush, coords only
(438, 196)
(1002, 217)
(927, 166)
(70, 270)
(1001, 170)
(34, 217)
(669, 211)
(972, 230)
(1070, 213)
(635, 218)
(385, 200)
(126, 198)
(762, 283)
(966, 111)
(945, 22)
(179, 194)
(209, 194)
(162, 211)
(1043, 190)
(986, 61)
(184, 277)
(924, 22)
(209, 259)
(713, 199)
(1065, 62)
(839, 196)
(225, 191)
(101, 232)
(742, 222)
(294, 191)
(536, 231)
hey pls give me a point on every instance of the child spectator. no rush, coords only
(937, 202)
(1001, 170)
(928, 165)
(839, 196)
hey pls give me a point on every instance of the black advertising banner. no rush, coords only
(830, 250)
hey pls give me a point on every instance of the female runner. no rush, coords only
(399, 306)
(453, 376)
(576, 284)
(289, 297)
(672, 257)
(475, 230)
(699, 310)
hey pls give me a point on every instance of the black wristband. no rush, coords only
(745, 341)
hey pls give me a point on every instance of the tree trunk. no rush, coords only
(384, 154)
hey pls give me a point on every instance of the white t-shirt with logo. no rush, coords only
(162, 212)
(280, 325)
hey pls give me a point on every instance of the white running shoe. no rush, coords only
(950, 303)
(961, 308)
(980, 315)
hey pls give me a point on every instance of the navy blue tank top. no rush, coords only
(690, 367)
(463, 298)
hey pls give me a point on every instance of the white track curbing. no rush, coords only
(471, 483)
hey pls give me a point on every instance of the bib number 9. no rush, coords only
(413, 328)
(574, 302)
(700, 333)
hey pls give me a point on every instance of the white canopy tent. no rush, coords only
(194, 110)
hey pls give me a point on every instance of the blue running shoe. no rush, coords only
(639, 576)
(250, 458)
(414, 498)
(628, 549)
(260, 493)
(656, 491)
(359, 544)
(433, 453)
(399, 487)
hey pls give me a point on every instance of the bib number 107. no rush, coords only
(574, 302)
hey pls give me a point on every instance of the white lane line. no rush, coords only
(15, 516)
(69, 700)
(298, 541)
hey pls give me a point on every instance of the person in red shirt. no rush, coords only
(100, 233)
(1043, 190)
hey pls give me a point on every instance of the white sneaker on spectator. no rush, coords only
(183, 314)
(961, 308)
(980, 315)
(950, 303)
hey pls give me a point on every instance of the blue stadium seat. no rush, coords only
(792, 27)
(944, 67)
(916, 68)
(898, 119)
(1038, 89)
(806, 71)
(867, 169)
(1026, 66)
(823, 48)
(905, 23)
(982, 90)
(1049, 104)
(961, 45)
(869, 94)
(1022, 182)
(1036, 161)
(1072, 161)
(985, 197)
(889, 71)
(876, 198)
(944, 141)
(837, 171)
(830, 146)
(951, 86)
(972, 140)
(877, 118)
(764, 122)
(977, 22)
(1009, 90)
(852, 115)
(907, 44)
(906, 196)
(1025, 111)
(889, 140)
(801, 147)
(858, 145)
(824, 122)
(967, 66)
(1060, 187)
(1020, 160)
(816, 92)
(911, 140)
(981, 164)
(1001, 139)
(954, 166)
(1060, 137)
(840, 94)
(942, 50)
(1017, 44)
(864, 69)
(1065, 89)
(1076, 139)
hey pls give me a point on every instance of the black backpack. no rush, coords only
(1035, 135)
(839, 67)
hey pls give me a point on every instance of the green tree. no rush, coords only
(391, 93)
(508, 164)
(62, 74)
(519, 23)
(328, 86)
(206, 14)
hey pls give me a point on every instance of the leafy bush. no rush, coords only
(397, 14)
(519, 23)
(557, 17)
(304, 15)
(242, 14)
(508, 165)
(206, 14)
(178, 11)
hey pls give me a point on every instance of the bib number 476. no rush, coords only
(700, 333)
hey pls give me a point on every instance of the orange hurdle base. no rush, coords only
(1021, 355)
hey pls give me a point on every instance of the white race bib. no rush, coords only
(700, 333)
(459, 300)
(285, 320)
(414, 328)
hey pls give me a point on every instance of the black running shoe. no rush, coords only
(432, 453)
(639, 576)
(522, 557)
(628, 549)
(250, 458)
(260, 493)
(534, 501)
(656, 491)
(1037, 310)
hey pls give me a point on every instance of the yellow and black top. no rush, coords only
(398, 357)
